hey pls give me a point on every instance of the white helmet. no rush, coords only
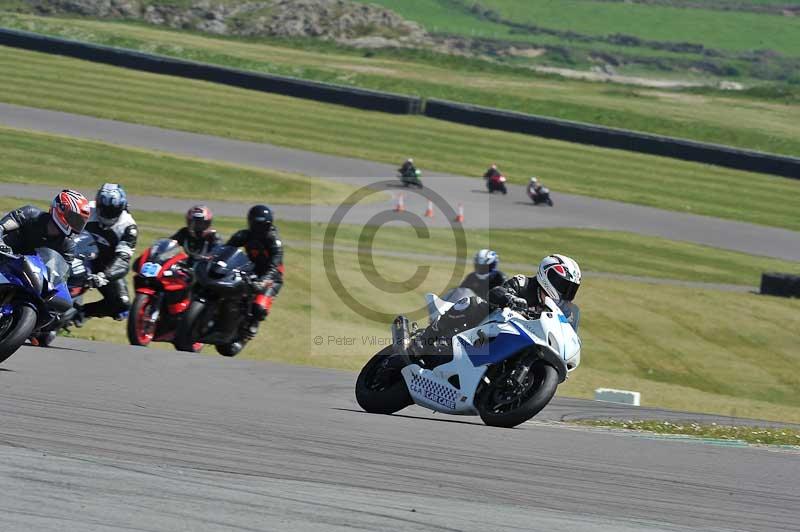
(534, 180)
(559, 276)
(410, 160)
(486, 262)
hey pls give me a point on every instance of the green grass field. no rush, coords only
(769, 125)
(40, 80)
(671, 38)
(725, 30)
(34, 158)
(688, 349)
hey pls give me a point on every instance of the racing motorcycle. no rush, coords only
(411, 178)
(85, 252)
(496, 184)
(505, 369)
(162, 283)
(33, 296)
(543, 196)
(221, 301)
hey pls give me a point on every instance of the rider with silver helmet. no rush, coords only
(558, 278)
(115, 232)
(486, 275)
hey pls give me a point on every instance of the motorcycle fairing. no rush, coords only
(501, 335)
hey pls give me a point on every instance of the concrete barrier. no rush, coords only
(617, 396)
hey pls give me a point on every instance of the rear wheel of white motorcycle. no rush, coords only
(381, 389)
(15, 328)
(507, 403)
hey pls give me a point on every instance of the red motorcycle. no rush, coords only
(162, 283)
(496, 183)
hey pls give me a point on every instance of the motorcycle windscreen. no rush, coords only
(56, 268)
(572, 312)
(163, 250)
(234, 258)
(85, 246)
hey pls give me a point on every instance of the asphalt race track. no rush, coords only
(99, 437)
(481, 209)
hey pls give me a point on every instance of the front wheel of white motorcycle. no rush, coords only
(380, 388)
(506, 402)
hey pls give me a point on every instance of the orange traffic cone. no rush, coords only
(460, 215)
(400, 204)
(429, 210)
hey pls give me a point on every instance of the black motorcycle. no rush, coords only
(541, 196)
(410, 177)
(222, 297)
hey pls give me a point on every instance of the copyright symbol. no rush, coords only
(365, 251)
(318, 340)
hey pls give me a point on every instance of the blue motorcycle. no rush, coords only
(33, 296)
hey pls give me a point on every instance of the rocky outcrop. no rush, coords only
(344, 21)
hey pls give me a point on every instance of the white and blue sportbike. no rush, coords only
(505, 369)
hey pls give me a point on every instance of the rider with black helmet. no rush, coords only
(263, 245)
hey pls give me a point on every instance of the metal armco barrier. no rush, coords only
(607, 137)
(297, 88)
(780, 284)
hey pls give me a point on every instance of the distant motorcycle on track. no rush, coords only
(505, 369)
(411, 178)
(542, 196)
(496, 184)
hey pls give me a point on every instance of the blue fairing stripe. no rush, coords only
(563, 319)
(503, 346)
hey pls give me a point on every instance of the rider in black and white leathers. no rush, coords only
(116, 243)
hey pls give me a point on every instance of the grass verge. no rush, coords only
(44, 81)
(685, 349)
(748, 434)
(36, 158)
(719, 117)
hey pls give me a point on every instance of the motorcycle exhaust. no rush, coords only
(401, 337)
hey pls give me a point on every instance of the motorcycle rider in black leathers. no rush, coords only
(486, 275)
(408, 169)
(27, 228)
(492, 172)
(198, 238)
(265, 249)
(558, 278)
(115, 233)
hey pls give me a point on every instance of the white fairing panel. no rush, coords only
(438, 390)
